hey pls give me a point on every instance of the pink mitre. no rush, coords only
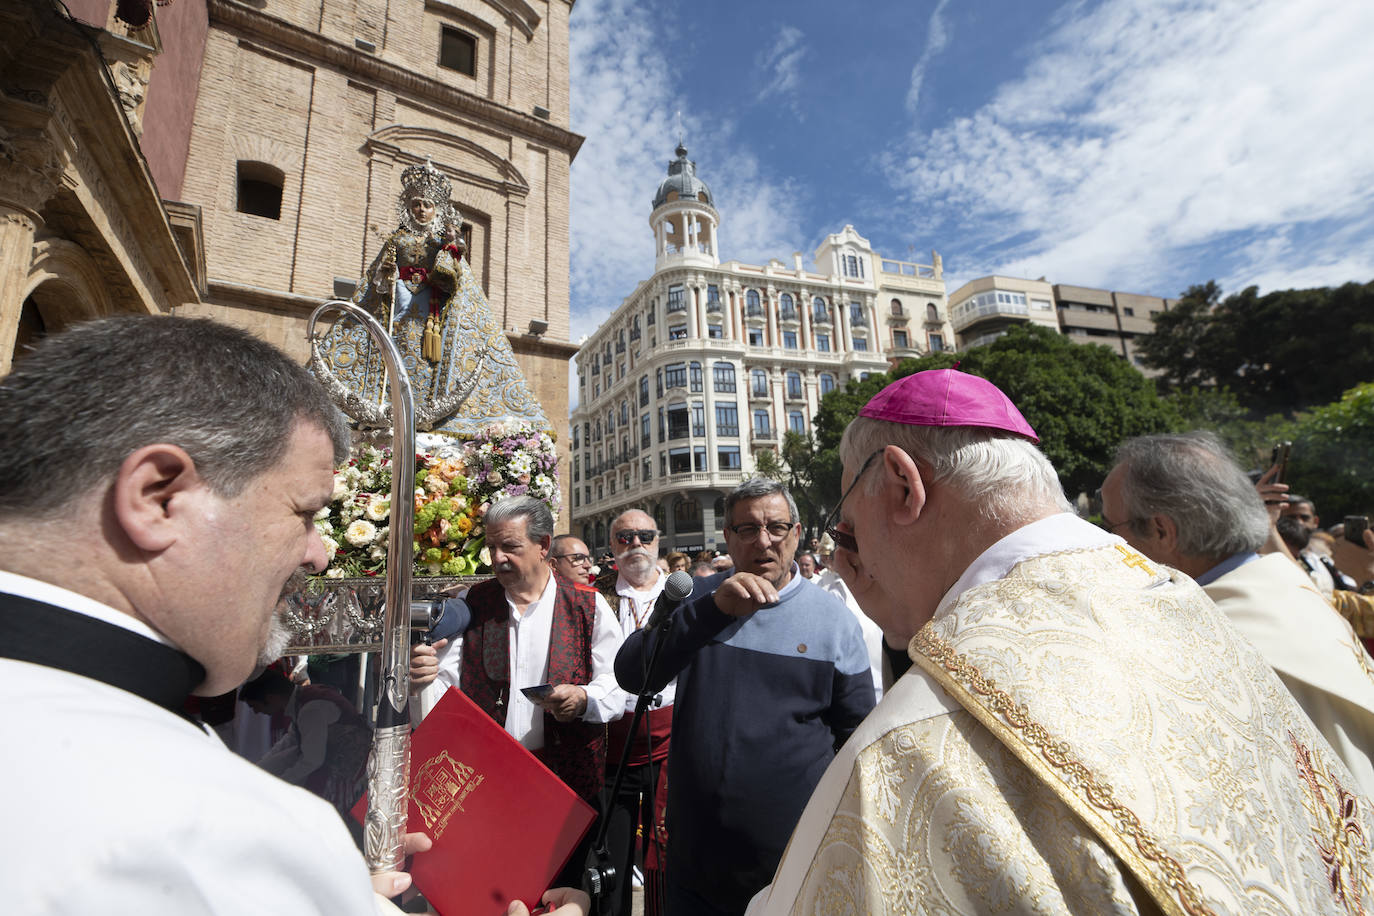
(947, 397)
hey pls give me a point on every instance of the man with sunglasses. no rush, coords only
(772, 677)
(1081, 730)
(632, 593)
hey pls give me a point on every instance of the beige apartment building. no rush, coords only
(983, 309)
(707, 363)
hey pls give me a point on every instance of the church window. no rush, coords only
(458, 51)
(259, 189)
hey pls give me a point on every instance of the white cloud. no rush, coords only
(780, 66)
(937, 37)
(1141, 135)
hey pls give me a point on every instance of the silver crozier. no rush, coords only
(388, 766)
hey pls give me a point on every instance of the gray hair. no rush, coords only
(1006, 476)
(758, 488)
(536, 513)
(86, 398)
(1193, 479)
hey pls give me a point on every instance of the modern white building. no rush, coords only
(706, 363)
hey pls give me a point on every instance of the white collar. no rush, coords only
(57, 596)
(626, 590)
(1063, 531)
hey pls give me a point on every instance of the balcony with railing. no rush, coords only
(908, 269)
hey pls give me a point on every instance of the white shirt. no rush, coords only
(529, 667)
(118, 806)
(636, 606)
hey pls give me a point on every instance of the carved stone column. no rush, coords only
(30, 173)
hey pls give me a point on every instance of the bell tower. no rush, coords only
(685, 223)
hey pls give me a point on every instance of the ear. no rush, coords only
(546, 546)
(903, 491)
(153, 486)
(1164, 530)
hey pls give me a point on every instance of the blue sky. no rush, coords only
(1139, 146)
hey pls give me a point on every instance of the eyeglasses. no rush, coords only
(575, 559)
(627, 537)
(776, 530)
(843, 539)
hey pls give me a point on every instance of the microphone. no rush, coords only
(440, 618)
(677, 589)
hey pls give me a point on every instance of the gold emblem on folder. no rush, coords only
(442, 784)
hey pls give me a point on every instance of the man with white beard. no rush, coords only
(632, 596)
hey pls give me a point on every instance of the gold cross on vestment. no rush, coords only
(1134, 560)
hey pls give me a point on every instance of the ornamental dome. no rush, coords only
(682, 182)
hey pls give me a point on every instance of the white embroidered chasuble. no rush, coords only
(1086, 734)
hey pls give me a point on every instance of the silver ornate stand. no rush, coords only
(344, 616)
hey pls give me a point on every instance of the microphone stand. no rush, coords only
(601, 879)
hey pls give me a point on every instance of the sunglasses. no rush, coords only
(627, 537)
(843, 539)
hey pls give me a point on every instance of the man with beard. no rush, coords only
(547, 630)
(157, 490)
(632, 594)
(772, 676)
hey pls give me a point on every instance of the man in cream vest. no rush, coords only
(1181, 500)
(1081, 730)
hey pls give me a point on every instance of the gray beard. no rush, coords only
(278, 638)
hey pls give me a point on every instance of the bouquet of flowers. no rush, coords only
(453, 489)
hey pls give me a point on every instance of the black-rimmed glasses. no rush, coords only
(575, 559)
(843, 539)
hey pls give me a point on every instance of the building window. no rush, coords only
(677, 422)
(856, 315)
(723, 374)
(762, 425)
(675, 376)
(662, 470)
(860, 345)
(677, 332)
(696, 378)
(643, 391)
(686, 515)
(853, 267)
(712, 298)
(644, 430)
(899, 338)
(714, 331)
(677, 302)
(937, 343)
(789, 340)
(796, 422)
(794, 385)
(718, 509)
(758, 383)
(932, 313)
(1130, 312)
(727, 420)
(679, 460)
(823, 343)
(646, 472)
(458, 51)
(897, 308)
(259, 189)
(786, 307)
(727, 458)
(827, 383)
(756, 337)
(698, 419)
(819, 311)
(699, 458)
(634, 328)
(577, 499)
(650, 312)
(752, 308)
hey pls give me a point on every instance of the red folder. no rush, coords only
(503, 824)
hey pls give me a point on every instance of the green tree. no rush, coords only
(1333, 455)
(796, 466)
(1283, 351)
(1251, 440)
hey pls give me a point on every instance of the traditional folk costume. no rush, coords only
(1312, 648)
(1083, 732)
(118, 804)
(639, 811)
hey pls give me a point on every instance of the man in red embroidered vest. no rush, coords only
(530, 626)
(632, 595)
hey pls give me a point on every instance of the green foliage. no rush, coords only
(1217, 410)
(1081, 399)
(1284, 351)
(1333, 455)
(796, 466)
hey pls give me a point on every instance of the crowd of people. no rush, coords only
(959, 697)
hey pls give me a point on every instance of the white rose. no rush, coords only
(377, 552)
(378, 509)
(494, 478)
(322, 514)
(485, 556)
(340, 488)
(331, 547)
(334, 573)
(361, 533)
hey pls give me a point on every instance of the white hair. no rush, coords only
(1006, 476)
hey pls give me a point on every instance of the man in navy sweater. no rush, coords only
(772, 677)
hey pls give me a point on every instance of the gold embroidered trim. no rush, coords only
(1336, 831)
(1135, 560)
(1072, 773)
